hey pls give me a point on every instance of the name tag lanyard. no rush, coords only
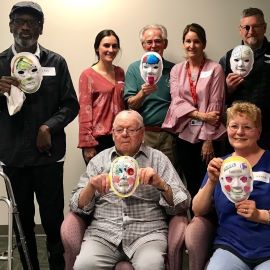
(192, 84)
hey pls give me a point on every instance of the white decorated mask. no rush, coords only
(242, 60)
(151, 67)
(236, 178)
(26, 68)
(124, 177)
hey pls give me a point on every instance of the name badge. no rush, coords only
(262, 176)
(205, 74)
(48, 71)
(195, 122)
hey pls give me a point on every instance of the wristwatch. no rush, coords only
(164, 188)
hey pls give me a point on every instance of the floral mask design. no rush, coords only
(26, 68)
(123, 175)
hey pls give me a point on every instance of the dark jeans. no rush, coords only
(46, 182)
(190, 159)
(194, 169)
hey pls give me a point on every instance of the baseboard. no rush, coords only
(4, 230)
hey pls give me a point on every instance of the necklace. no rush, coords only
(194, 76)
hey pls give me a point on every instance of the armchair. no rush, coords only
(199, 237)
(73, 227)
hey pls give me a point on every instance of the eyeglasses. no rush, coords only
(156, 41)
(235, 127)
(30, 22)
(129, 131)
(255, 27)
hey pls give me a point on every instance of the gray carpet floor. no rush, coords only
(16, 265)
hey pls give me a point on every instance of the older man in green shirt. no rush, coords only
(152, 101)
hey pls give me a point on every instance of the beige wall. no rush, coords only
(71, 26)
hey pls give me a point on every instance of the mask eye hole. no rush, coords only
(130, 171)
(228, 179)
(243, 179)
(21, 72)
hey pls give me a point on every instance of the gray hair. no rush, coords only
(138, 117)
(160, 27)
(253, 12)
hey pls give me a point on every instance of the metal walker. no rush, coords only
(13, 213)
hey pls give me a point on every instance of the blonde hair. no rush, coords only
(247, 108)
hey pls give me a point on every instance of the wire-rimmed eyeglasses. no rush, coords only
(129, 130)
(245, 128)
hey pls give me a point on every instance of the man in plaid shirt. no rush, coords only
(132, 228)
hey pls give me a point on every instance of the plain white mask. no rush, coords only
(242, 60)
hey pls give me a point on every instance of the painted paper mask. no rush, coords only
(236, 178)
(242, 60)
(26, 68)
(151, 67)
(124, 177)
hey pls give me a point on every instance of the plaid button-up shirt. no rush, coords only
(139, 218)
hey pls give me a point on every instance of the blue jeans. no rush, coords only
(225, 260)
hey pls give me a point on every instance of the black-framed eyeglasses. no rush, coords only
(254, 27)
(30, 22)
(129, 130)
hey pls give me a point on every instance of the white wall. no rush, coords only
(71, 26)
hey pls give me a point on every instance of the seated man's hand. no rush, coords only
(148, 176)
(101, 183)
(6, 82)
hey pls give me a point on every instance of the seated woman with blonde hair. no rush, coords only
(242, 239)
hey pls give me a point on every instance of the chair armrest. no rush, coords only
(176, 232)
(72, 232)
(198, 239)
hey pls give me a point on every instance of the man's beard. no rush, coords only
(25, 43)
(252, 42)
